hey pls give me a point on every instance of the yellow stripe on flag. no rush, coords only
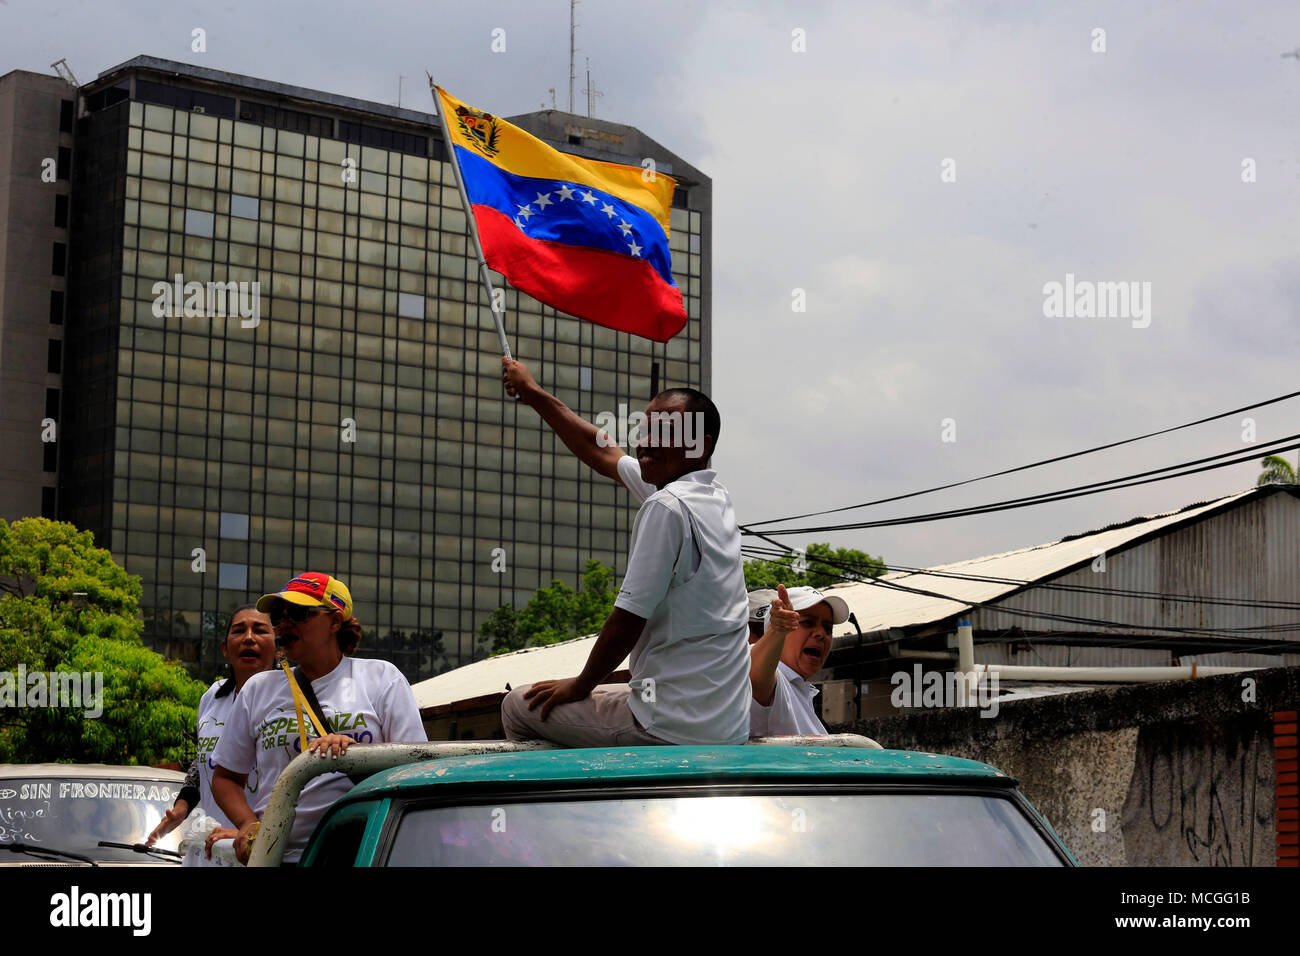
(512, 149)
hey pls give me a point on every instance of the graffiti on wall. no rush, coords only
(1201, 796)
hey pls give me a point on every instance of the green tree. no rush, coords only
(826, 566)
(1277, 471)
(554, 613)
(149, 705)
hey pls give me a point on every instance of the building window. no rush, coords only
(199, 223)
(281, 118)
(232, 577)
(56, 307)
(47, 503)
(61, 212)
(410, 305)
(54, 363)
(383, 138)
(191, 101)
(66, 115)
(107, 97)
(584, 378)
(65, 163)
(243, 207)
(51, 453)
(52, 403)
(234, 526)
(60, 263)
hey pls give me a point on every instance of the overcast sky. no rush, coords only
(924, 297)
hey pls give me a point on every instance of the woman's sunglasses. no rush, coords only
(293, 612)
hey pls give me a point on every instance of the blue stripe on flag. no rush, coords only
(608, 223)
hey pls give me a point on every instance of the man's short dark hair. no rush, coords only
(697, 402)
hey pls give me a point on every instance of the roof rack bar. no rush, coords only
(819, 740)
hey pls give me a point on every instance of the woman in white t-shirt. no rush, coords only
(249, 645)
(361, 700)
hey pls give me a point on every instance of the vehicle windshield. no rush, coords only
(74, 813)
(761, 829)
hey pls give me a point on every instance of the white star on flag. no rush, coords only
(565, 192)
(635, 249)
(543, 200)
(589, 198)
(624, 226)
(608, 210)
(526, 212)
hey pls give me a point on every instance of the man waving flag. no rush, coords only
(585, 237)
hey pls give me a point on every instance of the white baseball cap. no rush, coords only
(760, 604)
(802, 598)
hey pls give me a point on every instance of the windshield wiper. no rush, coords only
(143, 848)
(37, 850)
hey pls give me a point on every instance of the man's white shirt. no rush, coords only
(791, 710)
(690, 667)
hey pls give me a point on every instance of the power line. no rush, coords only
(1135, 593)
(1073, 619)
(1036, 464)
(1112, 484)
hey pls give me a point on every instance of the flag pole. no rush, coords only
(469, 217)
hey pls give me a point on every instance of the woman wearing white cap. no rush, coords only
(356, 699)
(793, 649)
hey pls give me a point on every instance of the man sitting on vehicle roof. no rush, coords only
(793, 649)
(681, 611)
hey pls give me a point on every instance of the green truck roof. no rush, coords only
(638, 764)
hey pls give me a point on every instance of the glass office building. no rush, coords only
(351, 418)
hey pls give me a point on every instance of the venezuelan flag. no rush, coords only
(585, 237)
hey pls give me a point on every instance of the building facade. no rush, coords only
(279, 358)
(36, 134)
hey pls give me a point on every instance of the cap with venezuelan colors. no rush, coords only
(311, 588)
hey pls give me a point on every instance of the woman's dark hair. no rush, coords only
(349, 636)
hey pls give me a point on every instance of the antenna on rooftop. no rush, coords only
(591, 92)
(573, 28)
(60, 66)
(400, 77)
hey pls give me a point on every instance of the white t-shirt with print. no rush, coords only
(214, 713)
(791, 710)
(363, 698)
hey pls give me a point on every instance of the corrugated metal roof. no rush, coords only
(490, 676)
(878, 607)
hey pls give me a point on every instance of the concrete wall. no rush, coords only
(1169, 774)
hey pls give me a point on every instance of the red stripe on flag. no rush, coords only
(618, 292)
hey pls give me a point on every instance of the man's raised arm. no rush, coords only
(592, 445)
